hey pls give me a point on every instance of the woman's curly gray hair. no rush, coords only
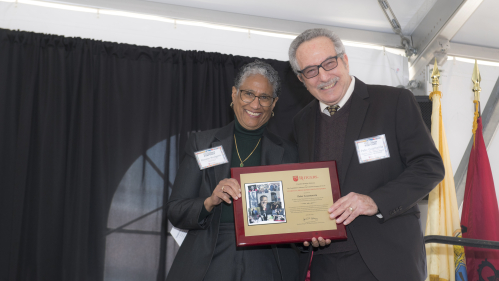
(262, 68)
(308, 35)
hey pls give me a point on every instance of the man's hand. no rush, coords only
(347, 208)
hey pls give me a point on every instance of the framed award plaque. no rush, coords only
(286, 203)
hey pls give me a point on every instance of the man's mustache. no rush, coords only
(328, 83)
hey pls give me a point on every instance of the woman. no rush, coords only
(201, 199)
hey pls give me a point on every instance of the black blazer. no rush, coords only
(192, 186)
(392, 247)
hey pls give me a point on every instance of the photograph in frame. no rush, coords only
(265, 203)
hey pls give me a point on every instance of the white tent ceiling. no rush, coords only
(459, 27)
(358, 14)
(478, 30)
(482, 28)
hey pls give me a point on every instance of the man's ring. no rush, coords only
(351, 209)
(223, 188)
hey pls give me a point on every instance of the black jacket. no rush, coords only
(192, 186)
(392, 247)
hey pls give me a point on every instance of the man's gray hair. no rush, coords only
(308, 35)
(262, 68)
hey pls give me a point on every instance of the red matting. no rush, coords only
(296, 237)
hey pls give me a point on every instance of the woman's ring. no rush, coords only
(351, 209)
(223, 188)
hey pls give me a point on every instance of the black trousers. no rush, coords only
(244, 264)
(346, 266)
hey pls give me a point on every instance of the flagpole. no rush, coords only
(445, 262)
(433, 251)
(480, 216)
(476, 78)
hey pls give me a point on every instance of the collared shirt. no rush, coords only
(343, 100)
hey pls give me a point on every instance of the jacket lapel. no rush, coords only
(307, 140)
(358, 111)
(272, 152)
(225, 138)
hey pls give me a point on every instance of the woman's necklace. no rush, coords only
(237, 150)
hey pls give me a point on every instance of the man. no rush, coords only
(265, 209)
(378, 204)
(252, 196)
(274, 198)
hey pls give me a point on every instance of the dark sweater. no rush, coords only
(329, 142)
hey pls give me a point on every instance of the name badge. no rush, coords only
(211, 157)
(372, 149)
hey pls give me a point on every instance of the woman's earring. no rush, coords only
(231, 104)
(272, 113)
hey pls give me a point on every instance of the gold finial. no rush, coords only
(435, 75)
(476, 78)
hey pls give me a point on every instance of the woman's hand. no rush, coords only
(225, 189)
(317, 242)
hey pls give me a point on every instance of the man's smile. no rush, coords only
(329, 84)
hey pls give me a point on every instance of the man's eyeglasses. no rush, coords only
(249, 97)
(312, 71)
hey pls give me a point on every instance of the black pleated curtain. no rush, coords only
(91, 135)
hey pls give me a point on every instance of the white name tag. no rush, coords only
(211, 157)
(372, 149)
(178, 234)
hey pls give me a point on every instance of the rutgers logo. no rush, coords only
(296, 178)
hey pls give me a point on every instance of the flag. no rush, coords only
(445, 262)
(480, 218)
